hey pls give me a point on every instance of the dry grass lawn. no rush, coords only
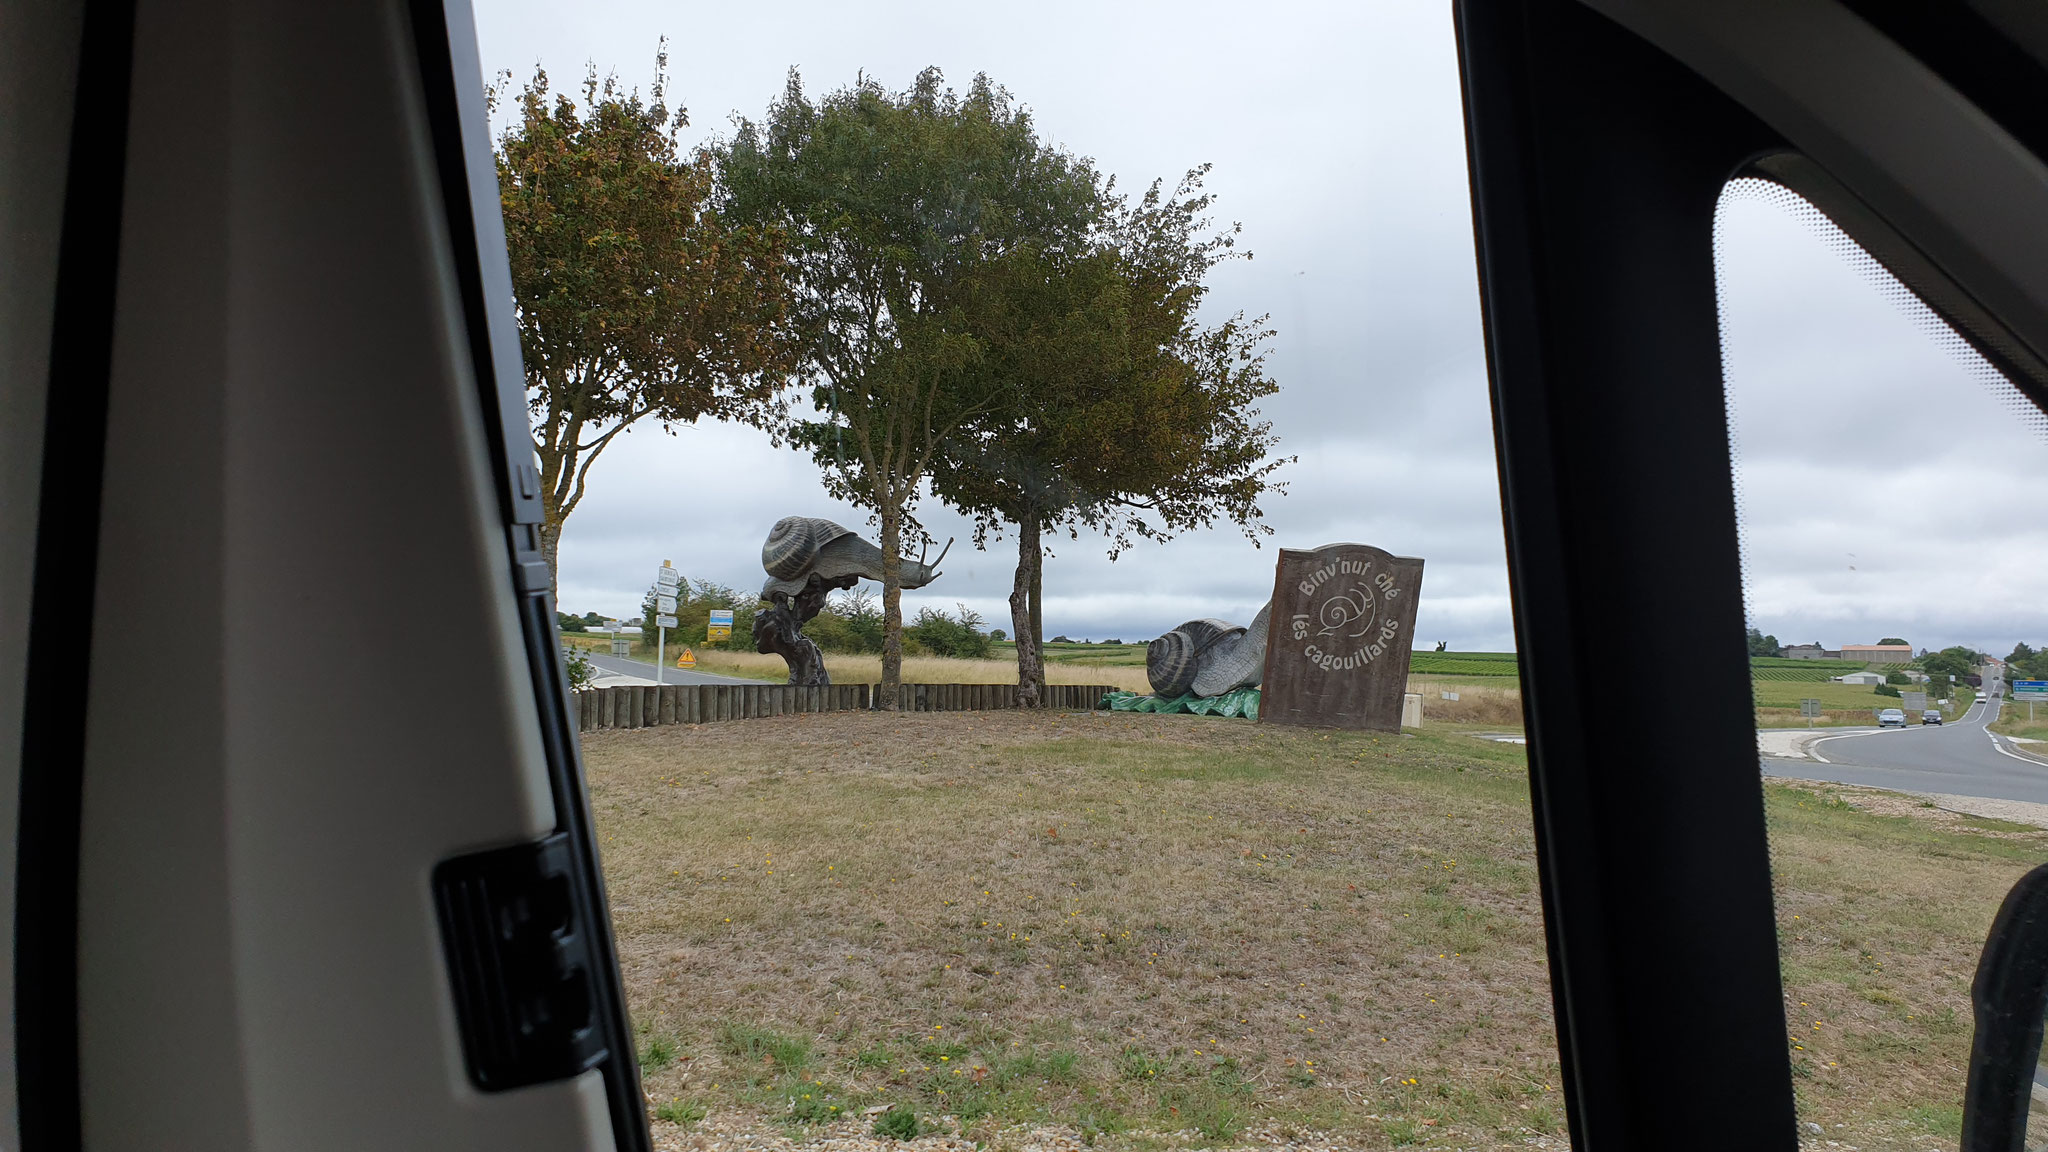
(1130, 925)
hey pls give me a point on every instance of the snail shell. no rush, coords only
(1234, 661)
(799, 547)
(794, 543)
(1208, 657)
(1171, 661)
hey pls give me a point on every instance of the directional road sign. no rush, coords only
(1809, 707)
(2030, 689)
(665, 621)
(666, 605)
(667, 577)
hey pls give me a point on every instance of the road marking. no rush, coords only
(1850, 736)
(2022, 757)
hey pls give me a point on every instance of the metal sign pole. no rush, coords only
(666, 583)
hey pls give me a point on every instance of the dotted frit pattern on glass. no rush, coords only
(1890, 287)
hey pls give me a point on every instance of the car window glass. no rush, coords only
(1893, 561)
(1126, 927)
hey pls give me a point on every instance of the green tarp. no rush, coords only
(1243, 702)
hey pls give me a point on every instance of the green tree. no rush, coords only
(1762, 645)
(635, 298)
(1957, 662)
(1126, 415)
(900, 208)
(1891, 640)
(694, 601)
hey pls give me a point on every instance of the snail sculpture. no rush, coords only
(1208, 657)
(806, 558)
(800, 547)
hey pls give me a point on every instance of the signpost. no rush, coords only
(1809, 708)
(666, 581)
(720, 626)
(2032, 691)
(1913, 701)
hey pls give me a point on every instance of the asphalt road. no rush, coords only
(625, 667)
(1964, 758)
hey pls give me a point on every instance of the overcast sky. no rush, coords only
(1880, 478)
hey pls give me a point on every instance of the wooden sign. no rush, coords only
(1338, 638)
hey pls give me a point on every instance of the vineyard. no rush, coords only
(1800, 671)
(1463, 664)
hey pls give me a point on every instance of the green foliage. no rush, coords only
(1126, 415)
(905, 212)
(680, 1111)
(568, 623)
(1954, 661)
(944, 635)
(899, 1123)
(635, 298)
(1891, 640)
(2026, 664)
(658, 1053)
(1897, 678)
(579, 669)
(694, 601)
(1137, 1064)
(813, 1102)
(1762, 645)
(850, 622)
(1886, 690)
(791, 1054)
(1121, 412)
(997, 635)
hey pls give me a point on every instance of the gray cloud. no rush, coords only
(1336, 133)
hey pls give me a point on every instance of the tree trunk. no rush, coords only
(892, 608)
(1038, 608)
(550, 545)
(1030, 655)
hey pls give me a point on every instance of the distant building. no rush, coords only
(1878, 653)
(1808, 652)
(1860, 677)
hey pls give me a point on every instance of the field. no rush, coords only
(1800, 671)
(2013, 720)
(1777, 703)
(1120, 926)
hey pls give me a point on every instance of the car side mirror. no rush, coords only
(2008, 1082)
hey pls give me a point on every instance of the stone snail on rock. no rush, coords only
(806, 559)
(799, 547)
(1208, 657)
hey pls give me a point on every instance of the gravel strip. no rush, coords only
(736, 1133)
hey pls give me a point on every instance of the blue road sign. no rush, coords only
(2030, 689)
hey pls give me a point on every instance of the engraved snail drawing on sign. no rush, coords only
(1345, 615)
